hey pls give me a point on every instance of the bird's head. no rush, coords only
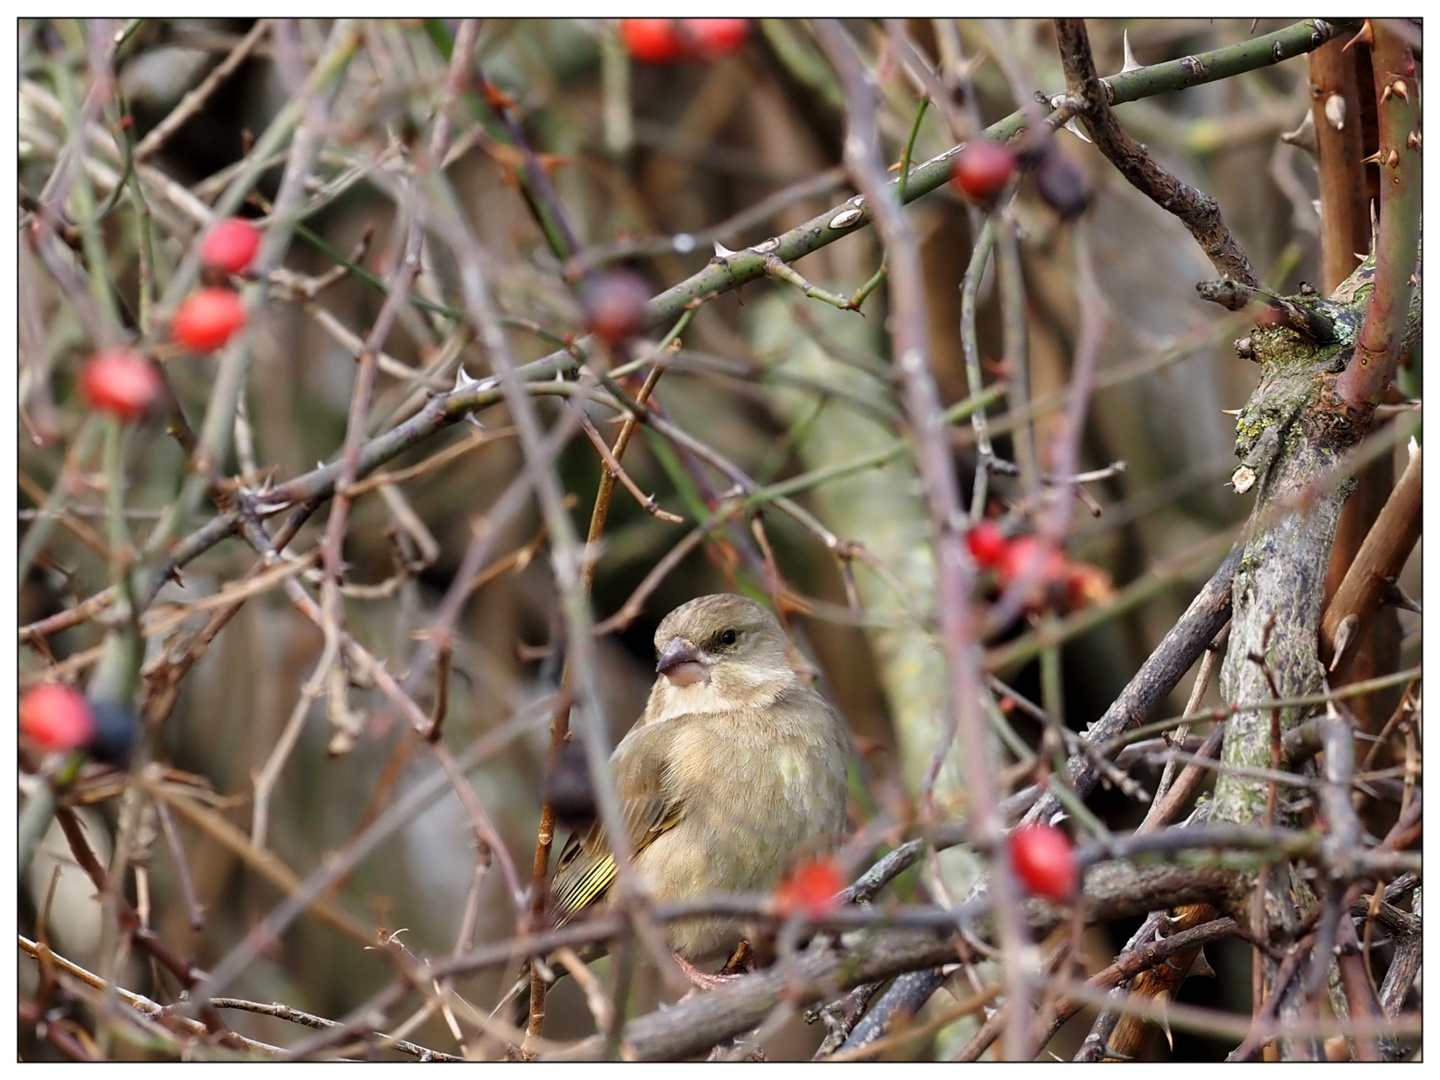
(726, 643)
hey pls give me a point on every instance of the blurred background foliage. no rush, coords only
(654, 164)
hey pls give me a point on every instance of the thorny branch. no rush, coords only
(886, 928)
(1200, 213)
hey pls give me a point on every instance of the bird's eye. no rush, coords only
(728, 637)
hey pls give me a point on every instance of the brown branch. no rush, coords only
(1157, 967)
(692, 1026)
(1197, 211)
(560, 719)
(1379, 561)
(310, 1020)
(1387, 326)
(1158, 675)
(1401, 975)
(1360, 994)
(1335, 110)
(128, 919)
(1310, 321)
(1341, 126)
(174, 1027)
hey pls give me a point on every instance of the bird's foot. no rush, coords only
(703, 980)
(742, 961)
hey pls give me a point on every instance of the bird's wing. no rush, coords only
(587, 867)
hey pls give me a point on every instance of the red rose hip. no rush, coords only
(230, 246)
(207, 319)
(56, 717)
(710, 39)
(1045, 862)
(652, 41)
(121, 383)
(982, 169)
(811, 890)
(615, 305)
(987, 544)
(1030, 556)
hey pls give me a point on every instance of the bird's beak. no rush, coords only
(682, 663)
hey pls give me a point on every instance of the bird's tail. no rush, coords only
(519, 991)
(522, 983)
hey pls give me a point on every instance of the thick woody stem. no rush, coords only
(1383, 334)
(1335, 110)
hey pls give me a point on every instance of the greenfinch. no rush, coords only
(735, 766)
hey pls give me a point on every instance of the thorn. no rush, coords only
(1231, 412)
(1072, 125)
(1366, 37)
(1201, 967)
(1163, 999)
(1304, 135)
(1343, 633)
(721, 251)
(495, 97)
(1335, 111)
(1397, 597)
(1130, 63)
(466, 382)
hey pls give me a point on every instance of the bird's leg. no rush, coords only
(703, 979)
(741, 961)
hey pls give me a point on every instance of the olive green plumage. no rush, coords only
(734, 767)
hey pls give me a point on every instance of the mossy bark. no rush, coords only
(1292, 437)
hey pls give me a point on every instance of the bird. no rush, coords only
(734, 767)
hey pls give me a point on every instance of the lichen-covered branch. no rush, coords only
(1291, 436)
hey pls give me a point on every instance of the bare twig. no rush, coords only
(938, 481)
